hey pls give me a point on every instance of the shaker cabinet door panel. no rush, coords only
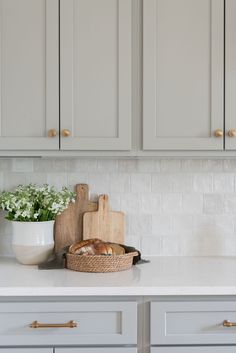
(96, 74)
(183, 74)
(29, 97)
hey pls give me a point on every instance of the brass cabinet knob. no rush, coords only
(218, 133)
(232, 133)
(52, 133)
(65, 132)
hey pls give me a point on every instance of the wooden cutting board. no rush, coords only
(104, 224)
(69, 224)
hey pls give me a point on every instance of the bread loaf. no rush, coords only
(74, 248)
(117, 249)
(96, 247)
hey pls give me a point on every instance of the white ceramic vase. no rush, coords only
(32, 242)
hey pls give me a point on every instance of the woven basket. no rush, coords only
(100, 263)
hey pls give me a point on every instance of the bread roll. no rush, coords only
(74, 248)
(117, 249)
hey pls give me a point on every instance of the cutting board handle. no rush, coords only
(103, 204)
(82, 189)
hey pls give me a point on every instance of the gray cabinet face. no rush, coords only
(193, 349)
(183, 74)
(29, 97)
(230, 72)
(98, 323)
(192, 323)
(26, 350)
(96, 74)
(96, 350)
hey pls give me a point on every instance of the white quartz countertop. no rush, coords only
(162, 276)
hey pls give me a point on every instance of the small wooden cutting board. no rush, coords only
(69, 224)
(104, 224)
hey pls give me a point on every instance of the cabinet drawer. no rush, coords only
(192, 322)
(201, 349)
(96, 350)
(28, 350)
(105, 323)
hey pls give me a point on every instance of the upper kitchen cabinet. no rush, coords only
(29, 93)
(230, 79)
(95, 74)
(184, 74)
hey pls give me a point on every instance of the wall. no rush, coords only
(173, 207)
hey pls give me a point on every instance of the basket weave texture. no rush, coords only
(100, 263)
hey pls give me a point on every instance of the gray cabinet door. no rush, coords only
(230, 79)
(29, 97)
(202, 349)
(183, 74)
(95, 74)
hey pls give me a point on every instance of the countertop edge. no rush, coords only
(106, 291)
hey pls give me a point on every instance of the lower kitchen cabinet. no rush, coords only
(95, 350)
(201, 349)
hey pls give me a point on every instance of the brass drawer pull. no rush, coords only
(70, 324)
(228, 323)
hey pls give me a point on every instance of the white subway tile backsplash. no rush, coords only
(223, 182)
(24, 165)
(150, 203)
(119, 182)
(107, 165)
(170, 165)
(230, 203)
(203, 183)
(57, 179)
(127, 165)
(230, 165)
(82, 165)
(140, 183)
(99, 182)
(131, 203)
(6, 164)
(192, 165)
(212, 165)
(162, 183)
(183, 224)
(76, 178)
(161, 224)
(192, 203)
(214, 203)
(148, 166)
(172, 206)
(11, 180)
(140, 225)
(151, 245)
(172, 203)
(182, 183)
